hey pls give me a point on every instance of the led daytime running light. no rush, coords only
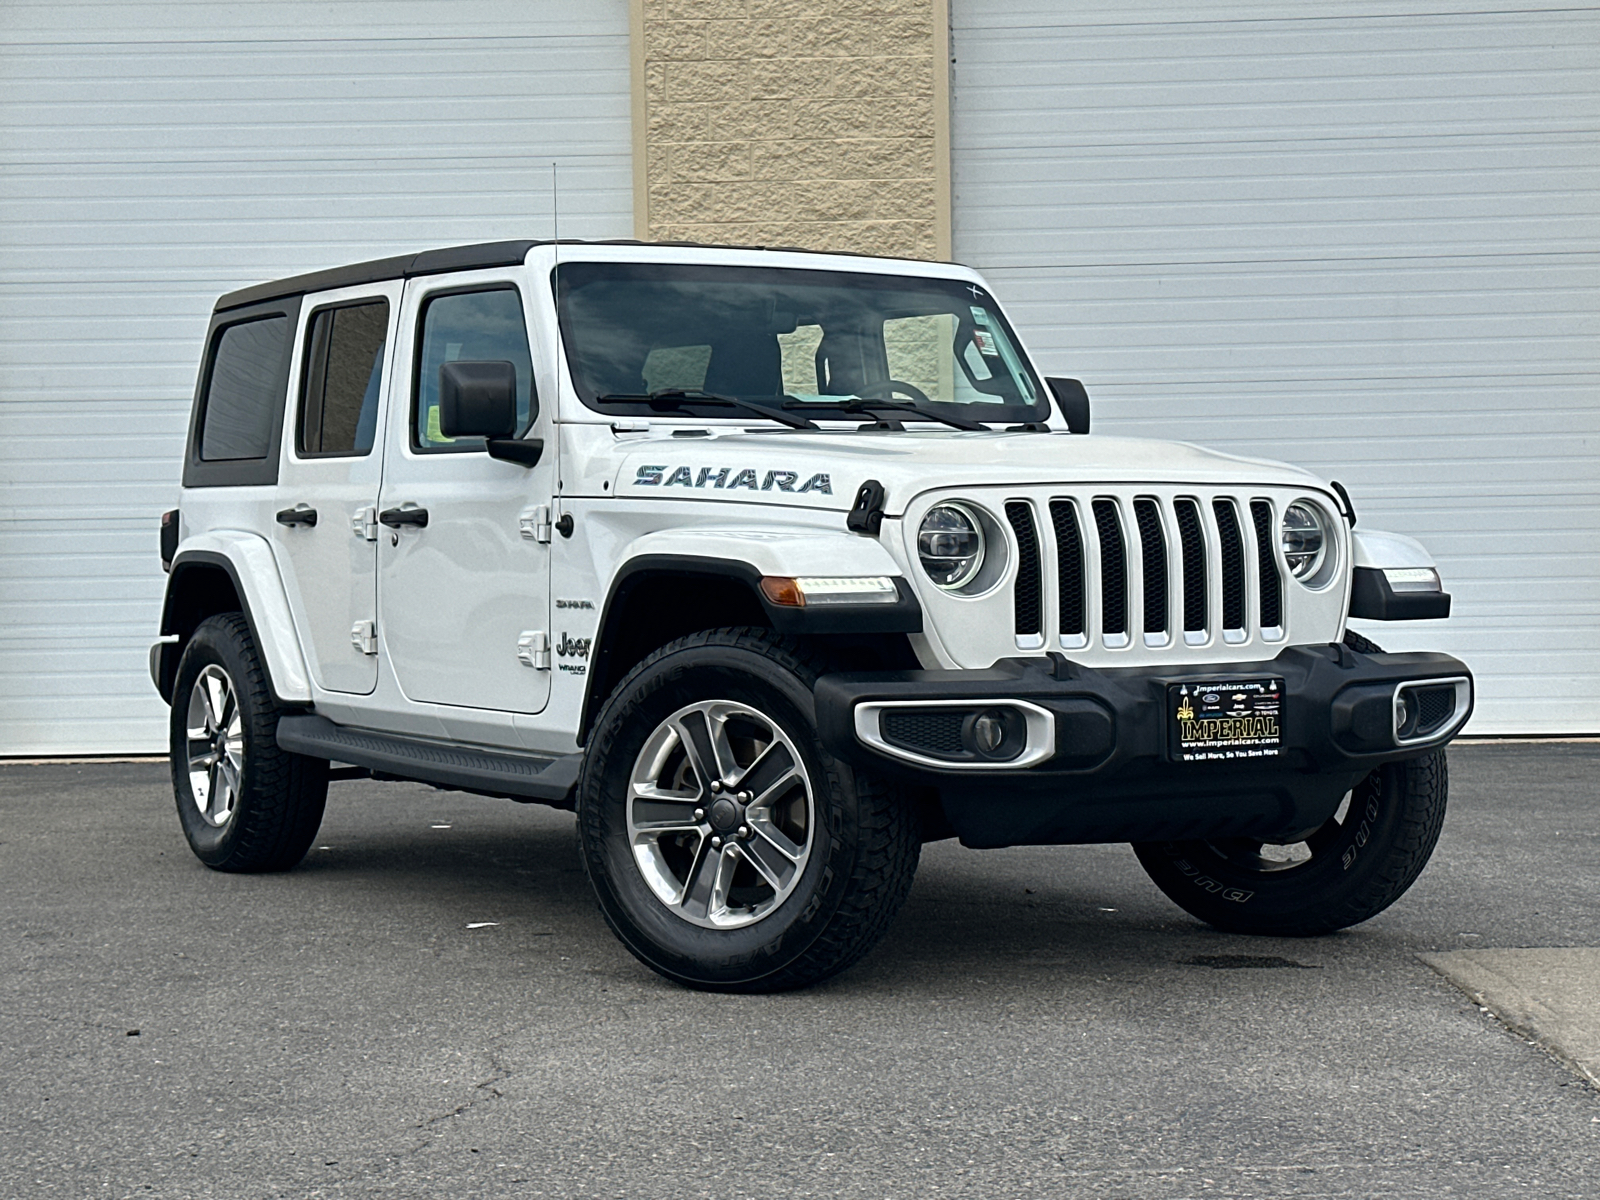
(813, 590)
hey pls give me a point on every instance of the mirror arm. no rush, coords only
(525, 452)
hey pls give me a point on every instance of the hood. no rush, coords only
(825, 469)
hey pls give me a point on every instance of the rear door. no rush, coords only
(461, 593)
(325, 534)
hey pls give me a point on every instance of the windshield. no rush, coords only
(806, 340)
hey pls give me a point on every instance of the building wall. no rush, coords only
(815, 123)
(156, 154)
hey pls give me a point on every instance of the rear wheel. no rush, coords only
(1357, 864)
(245, 804)
(728, 849)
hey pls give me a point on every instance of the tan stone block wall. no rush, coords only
(814, 123)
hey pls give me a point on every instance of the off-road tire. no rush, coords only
(866, 834)
(1358, 867)
(281, 796)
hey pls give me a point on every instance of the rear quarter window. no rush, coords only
(244, 392)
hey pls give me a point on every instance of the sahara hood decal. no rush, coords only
(727, 478)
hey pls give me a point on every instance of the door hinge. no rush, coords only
(533, 649)
(364, 637)
(535, 523)
(364, 524)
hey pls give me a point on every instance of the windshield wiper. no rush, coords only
(858, 405)
(674, 399)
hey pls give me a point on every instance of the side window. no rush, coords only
(243, 395)
(339, 386)
(483, 326)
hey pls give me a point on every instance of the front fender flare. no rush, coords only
(1371, 596)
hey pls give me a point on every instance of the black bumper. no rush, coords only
(1111, 775)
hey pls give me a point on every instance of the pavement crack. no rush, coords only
(486, 1089)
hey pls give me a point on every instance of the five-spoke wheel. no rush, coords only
(245, 803)
(216, 745)
(727, 848)
(720, 814)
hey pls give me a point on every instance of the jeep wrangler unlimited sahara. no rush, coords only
(771, 566)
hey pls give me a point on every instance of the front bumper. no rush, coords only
(1099, 766)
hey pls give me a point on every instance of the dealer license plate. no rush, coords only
(1235, 719)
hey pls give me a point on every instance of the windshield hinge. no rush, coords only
(866, 514)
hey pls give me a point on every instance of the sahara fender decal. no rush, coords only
(248, 560)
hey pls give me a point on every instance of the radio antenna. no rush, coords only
(555, 241)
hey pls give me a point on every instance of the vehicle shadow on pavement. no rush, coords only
(1075, 912)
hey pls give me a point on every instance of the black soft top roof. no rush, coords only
(403, 266)
(450, 258)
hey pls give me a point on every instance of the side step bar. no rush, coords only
(523, 777)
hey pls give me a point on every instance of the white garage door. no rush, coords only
(153, 156)
(1363, 240)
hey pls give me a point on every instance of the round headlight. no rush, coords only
(950, 545)
(1305, 539)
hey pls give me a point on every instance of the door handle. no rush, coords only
(300, 514)
(396, 517)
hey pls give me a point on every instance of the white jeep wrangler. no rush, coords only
(772, 566)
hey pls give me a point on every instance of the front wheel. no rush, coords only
(729, 851)
(1357, 864)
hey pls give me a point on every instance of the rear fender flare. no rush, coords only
(248, 560)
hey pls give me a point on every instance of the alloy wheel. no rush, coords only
(721, 814)
(215, 730)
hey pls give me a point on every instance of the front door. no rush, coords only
(325, 536)
(458, 594)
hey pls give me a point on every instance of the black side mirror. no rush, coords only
(1072, 398)
(477, 399)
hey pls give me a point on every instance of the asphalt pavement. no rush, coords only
(431, 1006)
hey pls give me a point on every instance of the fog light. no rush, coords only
(1404, 715)
(996, 734)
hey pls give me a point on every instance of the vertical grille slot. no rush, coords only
(1194, 565)
(1154, 545)
(1113, 574)
(1231, 544)
(1029, 594)
(1267, 566)
(1069, 568)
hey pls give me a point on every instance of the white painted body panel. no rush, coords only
(330, 570)
(455, 597)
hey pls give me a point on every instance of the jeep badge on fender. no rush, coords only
(839, 573)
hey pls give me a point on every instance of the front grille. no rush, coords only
(1194, 565)
(1154, 545)
(1069, 573)
(1113, 572)
(1186, 569)
(1232, 564)
(1267, 566)
(931, 731)
(1028, 599)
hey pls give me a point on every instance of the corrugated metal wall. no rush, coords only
(155, 155)
(1363, 240)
